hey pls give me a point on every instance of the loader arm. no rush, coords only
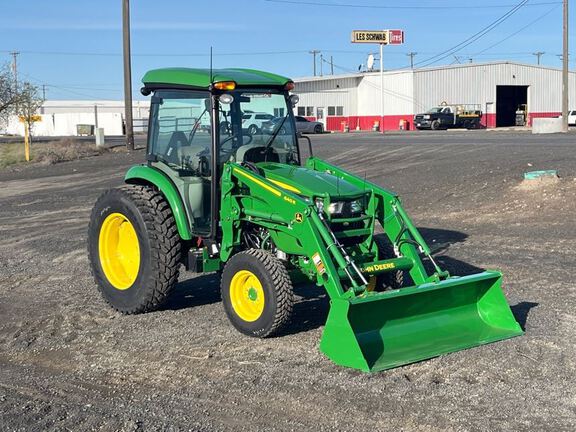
(397, 226)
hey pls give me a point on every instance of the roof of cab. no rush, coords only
(200, 78)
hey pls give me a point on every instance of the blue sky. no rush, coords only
(74, 46)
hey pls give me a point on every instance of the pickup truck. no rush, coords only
(449, 116)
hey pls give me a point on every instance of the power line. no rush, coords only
(520, 30)
(163, 54)
(413, 8)
(451, 51)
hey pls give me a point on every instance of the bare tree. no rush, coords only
(29, 103)
(8, 94)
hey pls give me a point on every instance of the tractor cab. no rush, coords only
(193, 132)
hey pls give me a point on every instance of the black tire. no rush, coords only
(158, 241)
(388, 280)
(435, 125)
(277, 288)
(318, 129)
(253, 129)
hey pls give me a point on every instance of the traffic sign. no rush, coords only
(32, 119)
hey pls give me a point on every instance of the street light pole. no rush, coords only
(127, 75)
(565, 58)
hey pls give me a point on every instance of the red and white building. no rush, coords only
(499, 88)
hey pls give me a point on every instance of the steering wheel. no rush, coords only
(232, 149)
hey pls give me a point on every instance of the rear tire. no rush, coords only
(389, 280)
(253, 129)
(134, 248)
(318, 129)
(257, 293)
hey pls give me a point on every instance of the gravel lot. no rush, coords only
(68, 362)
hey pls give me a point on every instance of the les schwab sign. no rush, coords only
(384, 37)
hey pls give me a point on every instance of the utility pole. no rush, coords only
(412, 55)
(314, 52)
(14, 55)
(331, 65)
(127, 75)
(538, 54)
(382, 88)
(565, 68)
(321, 62)
(44, 92)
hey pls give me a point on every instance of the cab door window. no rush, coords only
(181, 129)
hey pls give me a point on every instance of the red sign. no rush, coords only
(395, 37)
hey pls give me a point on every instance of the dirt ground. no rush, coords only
(68, 362)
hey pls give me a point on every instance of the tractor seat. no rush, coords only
(256, 153)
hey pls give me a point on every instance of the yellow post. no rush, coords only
(26, 142)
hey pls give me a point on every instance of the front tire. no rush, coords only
(257, 293)
(318, 129)
(134, 248)
(435, 125)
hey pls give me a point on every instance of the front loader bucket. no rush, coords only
(384, 330)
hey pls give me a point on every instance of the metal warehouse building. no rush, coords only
(499, 88)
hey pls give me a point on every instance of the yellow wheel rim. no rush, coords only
(119, 251)
(247, 295)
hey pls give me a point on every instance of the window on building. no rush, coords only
(335, 110)
(279, 112)
(310, 111)
(301, 111)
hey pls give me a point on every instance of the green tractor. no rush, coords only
(216, 195)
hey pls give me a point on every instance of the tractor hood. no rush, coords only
(309, 183)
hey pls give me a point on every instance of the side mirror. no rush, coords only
(294, 99)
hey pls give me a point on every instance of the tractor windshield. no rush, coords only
(257, 126)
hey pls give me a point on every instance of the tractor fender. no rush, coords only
(142, 174)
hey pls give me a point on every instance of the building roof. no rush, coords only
(200, 78)
(422, 70)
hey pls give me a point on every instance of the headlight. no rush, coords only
(336, 208)
(426, 117)
(356, 206)
(345, 208)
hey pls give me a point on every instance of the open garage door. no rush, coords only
(508, 99)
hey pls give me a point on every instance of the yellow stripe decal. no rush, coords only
(285, 186)
(258, 182)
